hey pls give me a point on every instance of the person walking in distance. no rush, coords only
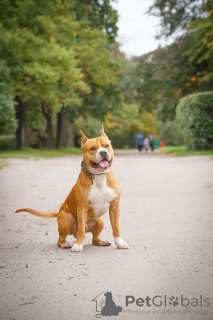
(151, 141)
(146, 144)
(139, 141)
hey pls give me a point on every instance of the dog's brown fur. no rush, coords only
(76, 215)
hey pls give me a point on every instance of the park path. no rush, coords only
(166, 218)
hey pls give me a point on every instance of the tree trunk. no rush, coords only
(64, 132)
(65, 128)
(130, 137)
(59, 126)
(61, 140)
(19, 117)
(49, 131)
(70, 142)
(47, 112)
(25, 135)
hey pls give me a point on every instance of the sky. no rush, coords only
(137, 30)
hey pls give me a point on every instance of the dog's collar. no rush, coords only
(87, 172)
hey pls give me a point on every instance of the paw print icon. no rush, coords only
(173, 301)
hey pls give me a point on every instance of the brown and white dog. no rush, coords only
(96, 191)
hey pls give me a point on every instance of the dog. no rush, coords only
(110, 308)
(95, 191)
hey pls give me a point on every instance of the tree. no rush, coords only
(194, 19)
(201, 50)
(100, 14)
(37, 62)
(163, 76)
(7, 102)
(175, 15)
(58, 60)
(99, 70)
(124, 123)
(167, 74)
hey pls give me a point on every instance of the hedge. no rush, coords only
(7, 142)
(194, 114)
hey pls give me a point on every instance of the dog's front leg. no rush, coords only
(114, 212)
(81, 220)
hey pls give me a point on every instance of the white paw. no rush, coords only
(120, 243)
(104, 243)
(66, 245)
(77, 247)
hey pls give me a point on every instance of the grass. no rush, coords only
(183, 151)
(39, 153)
(51, 153)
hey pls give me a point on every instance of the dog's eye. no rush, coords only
(107, 145)
(93, 148)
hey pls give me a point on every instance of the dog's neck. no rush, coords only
(83, 167)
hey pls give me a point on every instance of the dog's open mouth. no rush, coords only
(103, 164)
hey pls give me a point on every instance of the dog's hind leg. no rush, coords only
(66, 222)
(95, 226)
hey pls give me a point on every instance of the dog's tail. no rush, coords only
(38, 213)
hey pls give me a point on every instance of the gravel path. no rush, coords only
(166, 218)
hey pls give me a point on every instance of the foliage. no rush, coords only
(89, 125)
(164, 76)
(40, 66)
(201, 30)
(7, 142)
(124, 123)
(59, 56)
(61, 61)
(201, 50)
(127, 84)
(195, 117)
(100, 14)
(185, 66)
(175, 15)
(170, 133)
(100, 72)
(7, 112)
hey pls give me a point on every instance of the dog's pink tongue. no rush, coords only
(103, 164)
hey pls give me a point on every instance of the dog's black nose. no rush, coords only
(103, 153)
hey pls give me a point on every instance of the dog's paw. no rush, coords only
(66, 245)
(77, 247)
(121, 244)
(104, 243)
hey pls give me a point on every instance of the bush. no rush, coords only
(195, 117)
(90, 126)
(170, 133)
(7, 142)
(120, 139)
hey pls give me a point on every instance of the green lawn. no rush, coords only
(183, 151)
(51, 153)
(38, 153)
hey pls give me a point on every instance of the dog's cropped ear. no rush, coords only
(103, 133)
(83, 139)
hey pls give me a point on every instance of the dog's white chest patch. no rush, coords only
(100, 195)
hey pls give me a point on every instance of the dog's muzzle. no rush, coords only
(103, 164)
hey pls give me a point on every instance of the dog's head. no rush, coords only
(108, 294)
(98, 153)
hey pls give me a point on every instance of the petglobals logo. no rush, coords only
(105, 306)
(164, 301)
